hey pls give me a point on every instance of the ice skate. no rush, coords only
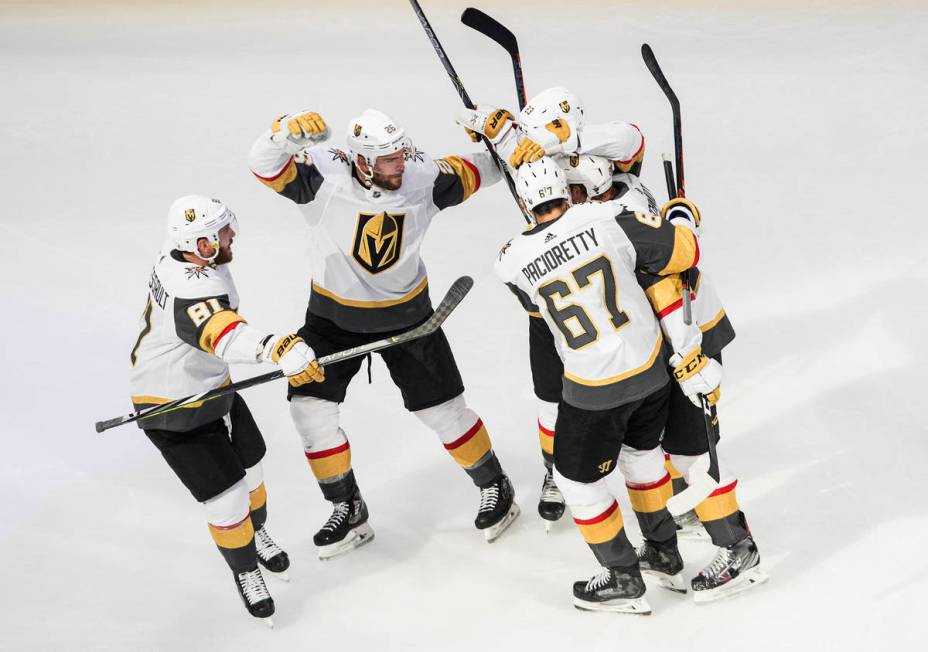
(346, 529)
(662, 562)
(551, 503)
(690, 528)
(497, 509)
(255, 595)
(271, 556)
(734, 569)
(619, 590)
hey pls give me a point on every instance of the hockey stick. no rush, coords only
(680, 190)
(489, 26)
(465, 98)
(704, 483)
(453, 297)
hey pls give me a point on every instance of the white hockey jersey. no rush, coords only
(367, 273)
(189, 308)
(579, 273)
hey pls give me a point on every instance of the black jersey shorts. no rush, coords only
(588, 442)
(685, 432)
(209, 459)
(546, 365)
(423, 369)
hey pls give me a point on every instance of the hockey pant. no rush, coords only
(234, 515)
(719, 513)
(328, 451)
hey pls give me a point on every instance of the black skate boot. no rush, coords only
(662, 562)
(255, 595)
(270, 555)
(346, 529)
(497, 508)
(734, 569)
(551, 503)
(690, 528)
(620, 590)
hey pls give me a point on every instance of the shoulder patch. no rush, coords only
(505, 248)
(415, 155)
(339, 155)
(197, 271)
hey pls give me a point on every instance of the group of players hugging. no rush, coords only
(599, 273)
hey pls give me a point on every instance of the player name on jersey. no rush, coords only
(560, 253)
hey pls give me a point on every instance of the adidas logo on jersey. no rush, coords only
(550, 237)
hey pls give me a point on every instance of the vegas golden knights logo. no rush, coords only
(605, 466)
(357, 130)
(565, 106)
(378, 240)
(574, 160)
(190, 215)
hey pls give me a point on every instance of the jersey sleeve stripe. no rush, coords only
(638, 155)
(280, 180)
(685, 252)
(216, 327)
(466, 172)
(225, 331)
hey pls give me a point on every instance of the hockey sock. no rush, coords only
(325, 445)
(721, 517)
(676, 478)
(465, 438)
(547, 417)
(258, 501)
(649, 487)
(598, 518)
(229, 519)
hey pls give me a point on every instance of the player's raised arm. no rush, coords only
(620, 142)
(279, 160)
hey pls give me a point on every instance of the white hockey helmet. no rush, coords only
(541, 181)
(374, 134)
(592, 172)
(193, 217)
(550, 104)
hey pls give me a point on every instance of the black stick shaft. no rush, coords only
(465, 98)
(492, 28)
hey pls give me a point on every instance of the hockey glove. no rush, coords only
(295, 359)
(697, 374)
(487, 121)
(296, 131)
(681, 208)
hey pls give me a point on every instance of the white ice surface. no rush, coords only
(805, 139)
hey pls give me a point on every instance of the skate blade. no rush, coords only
(268, 622)
(354, 539)
(493, 532)
(548, 526)
(748, 579)
(282, 575)
(636, 606)
(674, 583)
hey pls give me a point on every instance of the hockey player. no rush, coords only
(368, 211)
(190, 332)
(552, 123)
(736, 565)
(572, 268)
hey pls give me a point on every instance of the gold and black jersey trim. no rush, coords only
(661, 248)
(183, 418)
(606, 393)
(717, 334)
(297, 181)
(457, 180)
(524, 300)
(372, 316)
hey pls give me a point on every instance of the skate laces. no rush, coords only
(599, 581)
(549, 491)
(267, 549)
(339, 514)
(719, 564)
(253, 587)
(489, 497)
